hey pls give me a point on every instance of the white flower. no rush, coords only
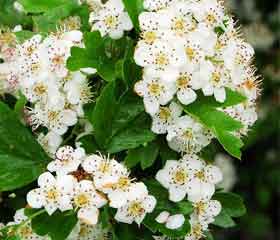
(111, 19)
(106, 172)
(209, 12)
(88, 200)
(187, 135)
(237, 56)
(84, 231)
(175, 176)
(225, 163)
(197, 228)
(67, 160)
(203, 180)
(219, 79)
(53, 193)
(207, 211)
(50, 142)
(136, 210)
(24, 231)
(155, 92)
(124, 191)
(78, 89)
(162, 58)
(165, 117)
(171, 221)
(184, 84)
(57, 121)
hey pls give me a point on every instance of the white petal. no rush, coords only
(35, 198)
(220, 94)
(213, 174)
(88, 216)
(46, 179)
(175, 221)
(186, 96)
(177, 194)
(162, 217)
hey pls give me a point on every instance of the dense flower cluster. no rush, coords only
(87, 183)
(187, 46)
(109, 18)
(37, 68)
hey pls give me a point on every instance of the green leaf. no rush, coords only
(137, 133)
(185, 207)
(20, 104)
(232, 206)
(134, 8)
(22, 159)
(146, 156)
(208, 235)
(103, 114)
(224, 220)
(232, 203)
(100, 53)
(222, 125)
(57, 226)
(39, 6)
(10, 17)
(120, 124)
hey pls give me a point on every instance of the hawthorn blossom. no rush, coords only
(165, 117)
(206, 211)
(88, 200)
(53, 193)
(67, 160)
(106, 172)
(111, 19)
(187, 135)
(155, 92)
(50, 142)
(136, 210)
(203, 180)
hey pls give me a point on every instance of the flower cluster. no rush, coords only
(193, 178)
(87, 183)
(37, 68)
(109, 18)
(189, 46)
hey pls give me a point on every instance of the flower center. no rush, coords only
(179, 26)
(81, 200)
(164, 113)
(183, 81)
(188, 134)
(197, 231)
(162, 59)
(210, 18)
(200, 208)
(35, 67)
(180, 176)
(30, 50)
(111, 21)
(155, 89)
(200, 175)
(52, 115)
(216, 77)
(190, 53)
(149, 37)
(136, 209)
(52, 194)
(40, 89)
(58, 60)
